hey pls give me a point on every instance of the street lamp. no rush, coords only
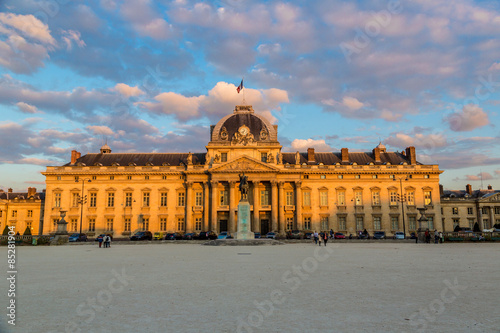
(82, 200)
(402, 198)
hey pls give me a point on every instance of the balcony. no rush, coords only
(197, 208)
(289, 207)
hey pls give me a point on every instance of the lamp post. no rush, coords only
(82, 200)
(402, 199)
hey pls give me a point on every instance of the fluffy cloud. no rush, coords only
(302, 145)
(145, 20)
(26, 108)
(100, 130)
(28, 26)
(418, 140)
(127, 90)
(470, 118)
(479, 176)
(69, 37)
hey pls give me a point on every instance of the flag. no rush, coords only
(240, 87)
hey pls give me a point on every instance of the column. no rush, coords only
(206, 204)
(274, 208)
(189, 207)
(256, 208)
(298, 206)
(232, 207)
(213, 220)
(281, 223)
(492, 220)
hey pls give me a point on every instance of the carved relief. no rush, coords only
(243, 136)
(224, 134)
(270, 158)
(263, 134)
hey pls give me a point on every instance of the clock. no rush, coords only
(243, 130)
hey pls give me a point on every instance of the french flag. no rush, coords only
(240, 87)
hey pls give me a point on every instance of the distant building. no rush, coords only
(191, 192)
(465, 208)
(21, 210)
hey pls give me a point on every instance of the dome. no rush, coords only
(381, 146)
(105, 149)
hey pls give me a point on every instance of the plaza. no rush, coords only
(296, 287)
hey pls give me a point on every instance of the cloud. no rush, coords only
(145, 20)
(100, 130)
(494, 67)
(302, 145)
(28, 26)
(470, 118)
(418, 140)
(127, 90)
(69, 37)
(26, 108)
(479, 176)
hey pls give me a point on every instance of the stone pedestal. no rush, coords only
(244, 223)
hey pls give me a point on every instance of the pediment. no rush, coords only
(245, 164)
(491, 198)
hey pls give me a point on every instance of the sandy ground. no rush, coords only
(360, 287)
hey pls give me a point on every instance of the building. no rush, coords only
(190, 192)
(21, 210)
(465, 208)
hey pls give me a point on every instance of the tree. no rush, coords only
(6, 230)
(27, 232)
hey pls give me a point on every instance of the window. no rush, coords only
(94, 177)
(486, 224)
(111, 199)
(74, 225)
(426, 176)
(128, 199)
(91, 224)
(427, 198)
(340, 176)
(455, 210)
(323, 198)
(410, 198)
(306, 199)
(145, 199)
(470, 210)
(412, 222)
(341, 198)
(394, 223)
(163, 224)
(181, 199)
(163, 199)
(109, 225)
(392, 177)
(111, 177)
(263, 157)
(357, 176)
(129, 177)
(359, 223)
(14, 213)
(28, 225)
(305, 177)
(30, 213)
(307, 222)
(77, 178)
(145, 224)
(358, 198)
(58, 178)
(180, 224)
(289, 198)
(456, 223)
(224, 198)
(374, 176)
(289, 223)
(197, 224)
(430, 222)
(198, 198)
(75, 198)
(484, 210)
(471, 224)
(54, 224)
(377, 225)
(264, 197)
(393, 195)
(163, 177)
(223, 157)
(376, 198)
(497, 210)
(324, 223)
(342, 223)
(127, 225)
(322, 177)
(146, 177)
(93, 199)
(1, 213)
(57, 199)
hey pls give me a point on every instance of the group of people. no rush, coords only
(106, 239)
(321, 237)
(438, 236)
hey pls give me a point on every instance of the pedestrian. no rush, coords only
(436, 236)
(416, 238)
(105, 241)
(315, 237)
(331, 233)
(441, 237)
(109, 241)
(427, 236)
(100, 239)
(325, 238)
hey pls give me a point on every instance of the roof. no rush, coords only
(462, 194)
(20, 195)
(143, 159)
(359, 158)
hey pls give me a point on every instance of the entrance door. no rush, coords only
(222, 225)
(264, 226)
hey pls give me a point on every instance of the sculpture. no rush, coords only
(243, 186)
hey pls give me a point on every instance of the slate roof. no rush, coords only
(254, 123)
(19, 195)
(141, 159)
(462, 194)
(359, 158)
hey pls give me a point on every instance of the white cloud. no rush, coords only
(352, 103)
(28, 26)
(470, 118)
(127, 90)
(26, 108)
(494, 67)
(302, 145)
(100, 130)
(69, 37)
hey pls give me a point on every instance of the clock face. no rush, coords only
(243, 130)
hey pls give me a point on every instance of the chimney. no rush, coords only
(441, 190)
(345, 155)
(78, 155)
(73, 156)
(31, 191)
(376, 154)
(490, 187)
(468, 189)
(10, 190)
(411, 155)
(310, 155)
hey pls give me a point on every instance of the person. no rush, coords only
(109, 241)
(105, 241)
(325, 239)
(427, 236)
(416, 238)
(441, 237)
(350, 236)
(315, 237)
(436, 236)
(331, 233)
(100, 239)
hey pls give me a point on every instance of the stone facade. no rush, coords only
(192, 192)
(21, 209)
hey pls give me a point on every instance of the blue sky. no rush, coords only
(151, 76)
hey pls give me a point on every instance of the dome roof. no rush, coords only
(381, 146)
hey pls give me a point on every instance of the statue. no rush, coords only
(216, 158)
(270, 158)
(190, 159)
(280, 158)
(243, 186)
(297, 158)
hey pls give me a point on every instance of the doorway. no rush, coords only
(264, 226)
(222, 225)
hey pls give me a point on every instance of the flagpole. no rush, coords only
(243, 88)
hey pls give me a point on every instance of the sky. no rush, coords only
(152, 76)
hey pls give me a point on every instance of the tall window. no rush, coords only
(289, 223)
(109, 225)
(163, 224)
(127, 224)
(358, 198)
(497, 210)
(163, 199)
(456, 223)
(91, 224)
(28, 225)
(359, 223)
(410, 197)
(430, 223)
(394, 223)
(427, 198)
(484, 210)
(470, 210)
(74, 224)
(324, 223)
(75, 199)
(14, 213)
(393, 195)
(375, 198)
(377, 225)
(128, 200)
(181, 199)
(289, 198)
(307, 222)
(197, 224)
(341, 198)
(264, 197)
(145, 224)
(306, 198)
(180, 224)
(57, 199)
(198, 198)
(471, 224)
(486, 223)
(454, 210)
(145, 199)
(263, 157)
(342, 223)
(111, 199)
(93, 199)
(412, 221)
(30, 213)
(224, 198)
(223, 157)
(323, 198)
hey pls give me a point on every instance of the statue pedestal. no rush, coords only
(244, 227)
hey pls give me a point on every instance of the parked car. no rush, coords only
(189, 236)
(379, 235)
(142, 235)
(338, 235)
(78, 237)
(308, 235)
(413, 235)
(173, 236)
(257, 234)
(158, 235)
(399, 235)
(207, 235)
(271, 235)
(294, 234)
(101, 236)
(224, 235)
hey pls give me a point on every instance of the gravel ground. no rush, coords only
(348, 287)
